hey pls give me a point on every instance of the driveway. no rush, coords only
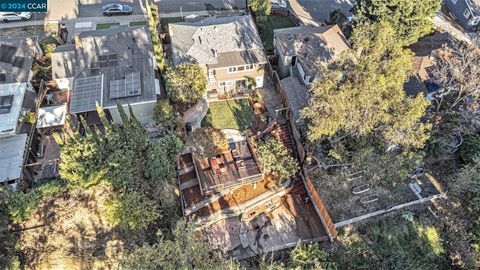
(173, 6)
(317, 11)
(73, 9)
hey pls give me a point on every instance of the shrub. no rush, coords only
(165, 114)
(470, 149)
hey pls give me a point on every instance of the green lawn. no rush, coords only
(138, 23)
(266, 30)
(235, 114)
(101, 26)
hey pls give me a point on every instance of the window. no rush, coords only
(232, 69)
(248, 67)
(294, 61)
(226, 83)
(310, 79)
(466, 14)
(241, 68)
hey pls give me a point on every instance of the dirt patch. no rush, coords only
(69, 231)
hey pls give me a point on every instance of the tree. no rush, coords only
(165, 114)
(207, 142)
(470, 148)
(162, 155)
(410, 18)
(186, 82)
(261, 9)
(187, 250)
(274, 158)
(366, 96)
(131, 210)
(458, 74)
(310, 257)
(337, 17)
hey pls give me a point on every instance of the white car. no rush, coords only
(15, 16)
(278, 3)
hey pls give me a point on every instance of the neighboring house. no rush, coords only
(108, 67)
(17, 98)
(302, 50)
(229, 49)
(241, 210)
(466, 12)
(426, 52)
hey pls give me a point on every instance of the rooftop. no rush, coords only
(11, 101)
(228, 169)
(297, 95)
(63, 62)
(312, 45)
(51, 116)
(217, 42)
(16, 58)
(11, 156)
(112, 66)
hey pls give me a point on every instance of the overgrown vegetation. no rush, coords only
(185, 82)
(274, 158)
(261, 9)
(153, 21)
(164, 113)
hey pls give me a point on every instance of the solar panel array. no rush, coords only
(87, 91)
(130, 86)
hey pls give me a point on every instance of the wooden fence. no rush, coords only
(320, 207)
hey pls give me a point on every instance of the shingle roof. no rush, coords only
(16, 58)
(114, 53)
(312, 44)
(217, 41)
(63, 62)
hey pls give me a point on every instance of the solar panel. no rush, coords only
(87, 91)
(130, 86)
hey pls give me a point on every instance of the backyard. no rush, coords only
(234, 114)
(266, 29)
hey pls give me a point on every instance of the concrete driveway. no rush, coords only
(73, 9)
(317, 11)
(173, 6)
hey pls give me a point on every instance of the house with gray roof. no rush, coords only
(303, 50)
(229, 49)
(17, 98)
(109, 67)
(466, 12)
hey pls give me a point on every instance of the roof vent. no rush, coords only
(290, 37)
(321, 43)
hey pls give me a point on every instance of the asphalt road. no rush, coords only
(173, 6)
(318, 10)
(73, 9)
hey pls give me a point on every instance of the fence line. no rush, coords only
(386, 210)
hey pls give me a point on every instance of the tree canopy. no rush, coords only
(138, 170)
(410, 18)
(366, 96)
(185, 82)
(274, 158)
(261, 9)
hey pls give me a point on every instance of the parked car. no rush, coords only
(278, 3)
(15, 16)
(116, 9)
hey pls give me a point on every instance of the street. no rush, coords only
(72, 9)
(173, 6)
(311, 11)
